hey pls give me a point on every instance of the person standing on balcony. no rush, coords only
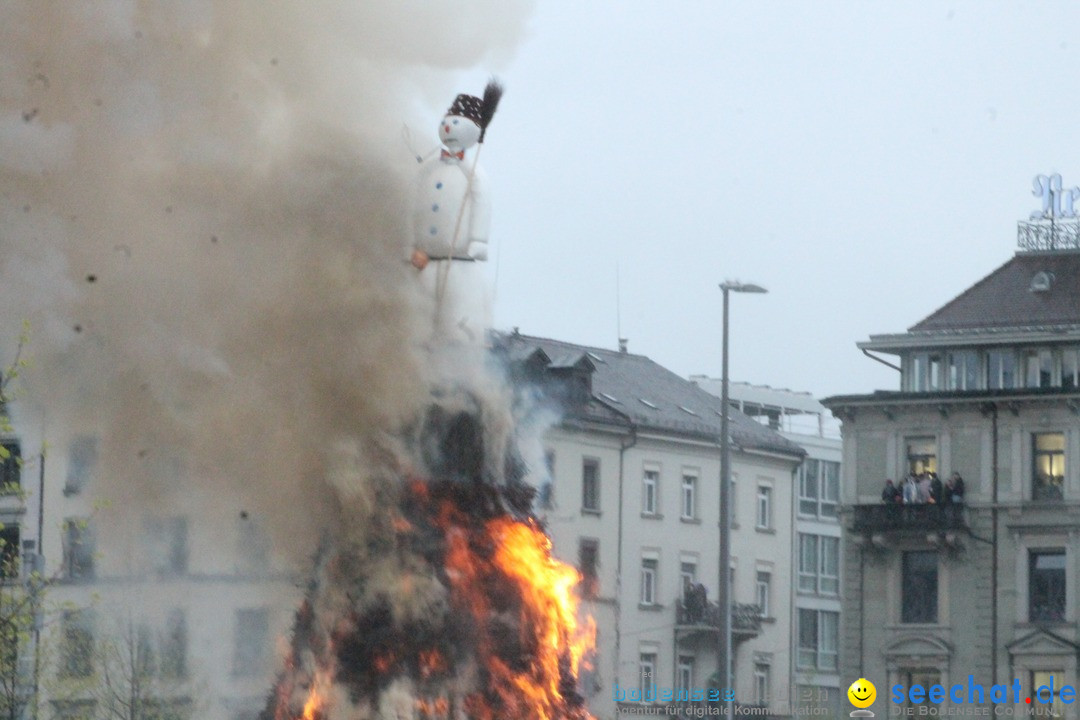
(890, 495)
(955, 489)
(924, 488)
(910, 491)
(935, 489)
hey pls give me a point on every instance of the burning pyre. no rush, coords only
(496, 634)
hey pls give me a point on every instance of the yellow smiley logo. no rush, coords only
(862, 693)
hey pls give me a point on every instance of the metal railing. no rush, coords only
(928, 517)
(745, 617)
(1046, 235)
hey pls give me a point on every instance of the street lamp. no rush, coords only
(724, 588)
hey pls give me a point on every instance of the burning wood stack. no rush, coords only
(495, 633)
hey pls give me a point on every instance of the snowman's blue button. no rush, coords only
(434, 230)
(435, 208)
(438, 186)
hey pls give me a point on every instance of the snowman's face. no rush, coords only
(458, 133)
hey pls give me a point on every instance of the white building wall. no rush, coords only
(627, 627)
(126, 592)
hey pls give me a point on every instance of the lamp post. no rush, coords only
(723, 599)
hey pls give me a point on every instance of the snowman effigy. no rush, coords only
(451, 218)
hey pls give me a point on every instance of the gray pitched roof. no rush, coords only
(1005, 299)
(652, 396)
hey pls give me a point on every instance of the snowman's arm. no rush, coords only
(479, 219)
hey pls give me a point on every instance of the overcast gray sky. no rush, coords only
(866, 162)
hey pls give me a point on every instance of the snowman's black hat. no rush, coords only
(467, 106)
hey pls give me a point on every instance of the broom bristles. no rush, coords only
(492, 94)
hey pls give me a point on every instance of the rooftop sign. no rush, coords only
(1056, 226)
(1056, 203)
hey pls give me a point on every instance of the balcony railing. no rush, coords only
(745, 618)
(922, 517)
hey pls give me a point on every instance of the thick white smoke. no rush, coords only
(202, 215)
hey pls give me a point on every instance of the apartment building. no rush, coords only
(632, 498)
(178, 605)
(816, 545)
(982, 590)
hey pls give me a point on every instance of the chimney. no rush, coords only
(623, 345)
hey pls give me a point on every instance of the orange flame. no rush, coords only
(524, 554)
(548, 621)
(316, 699)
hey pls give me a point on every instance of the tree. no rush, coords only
(20, 588)
(18, 605)
(131, 671)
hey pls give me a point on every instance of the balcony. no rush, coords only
(705, 617)
(919, 518)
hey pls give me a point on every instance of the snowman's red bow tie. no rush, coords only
(448, 154)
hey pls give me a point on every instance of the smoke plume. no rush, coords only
(202, 210)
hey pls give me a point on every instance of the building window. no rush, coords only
(922, 455)
(764, 507)
(819, 564)
(764, 585)
(761, 684)
(964, 370)
(647, 670)
(546, 496)
(173, 646)
(684, 676)
(1000, 370)
(590, 485)
(819, 488)
(919, 587)
(688, 576)
(9, 552)
(142, 660)
(10, 467)
(808, 562)
(79, 549)
(82, 457)
(167, 545)
(1046, 689)
(251, 642)
(588, 562)
(1048, 454)
(1070, 367)
(650, 488)
(818, 631)
(252, 547)
(1038, 368)
(689, 497)
(808, 487)
(829, 579)
(830, 488)
(648, 580)
(76, 644)
(927, 372)
(1046, 585)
